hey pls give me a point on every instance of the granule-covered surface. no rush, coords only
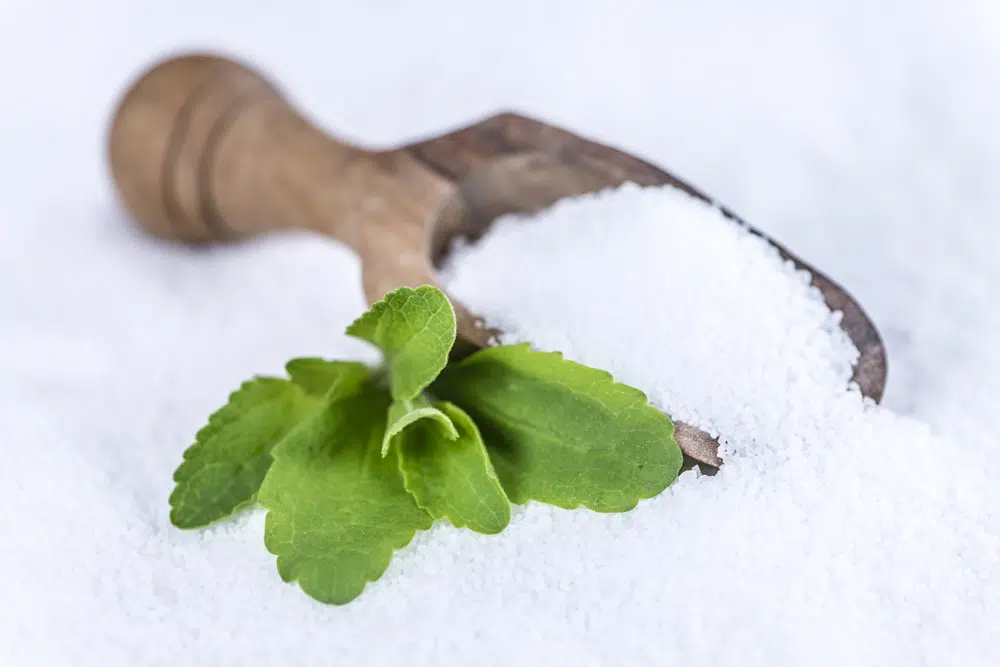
(862, 135)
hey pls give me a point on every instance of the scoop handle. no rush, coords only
(203, 148)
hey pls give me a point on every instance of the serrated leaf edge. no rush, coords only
(633, 393)
(216, 419)
(381, 305)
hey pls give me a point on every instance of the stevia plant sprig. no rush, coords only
(350, 462)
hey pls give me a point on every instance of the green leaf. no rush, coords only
(223, 469)
(562, 433)
(453, 479)
(336, 508)
(405, 413)
(332, 379)
(415, 330)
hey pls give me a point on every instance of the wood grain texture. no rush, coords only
(205, 149)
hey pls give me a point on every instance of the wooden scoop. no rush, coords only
(205, 149)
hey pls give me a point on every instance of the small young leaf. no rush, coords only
(453, 479)
(404, 413)
(336, 508)
(222, 471)
(415, 330)
(563, 433)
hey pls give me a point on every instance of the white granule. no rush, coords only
(836, 533)
(662, 291)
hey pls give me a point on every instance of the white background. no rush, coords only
(863, 135)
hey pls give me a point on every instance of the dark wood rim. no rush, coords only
(457, 154)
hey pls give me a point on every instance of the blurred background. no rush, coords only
(853, 131)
